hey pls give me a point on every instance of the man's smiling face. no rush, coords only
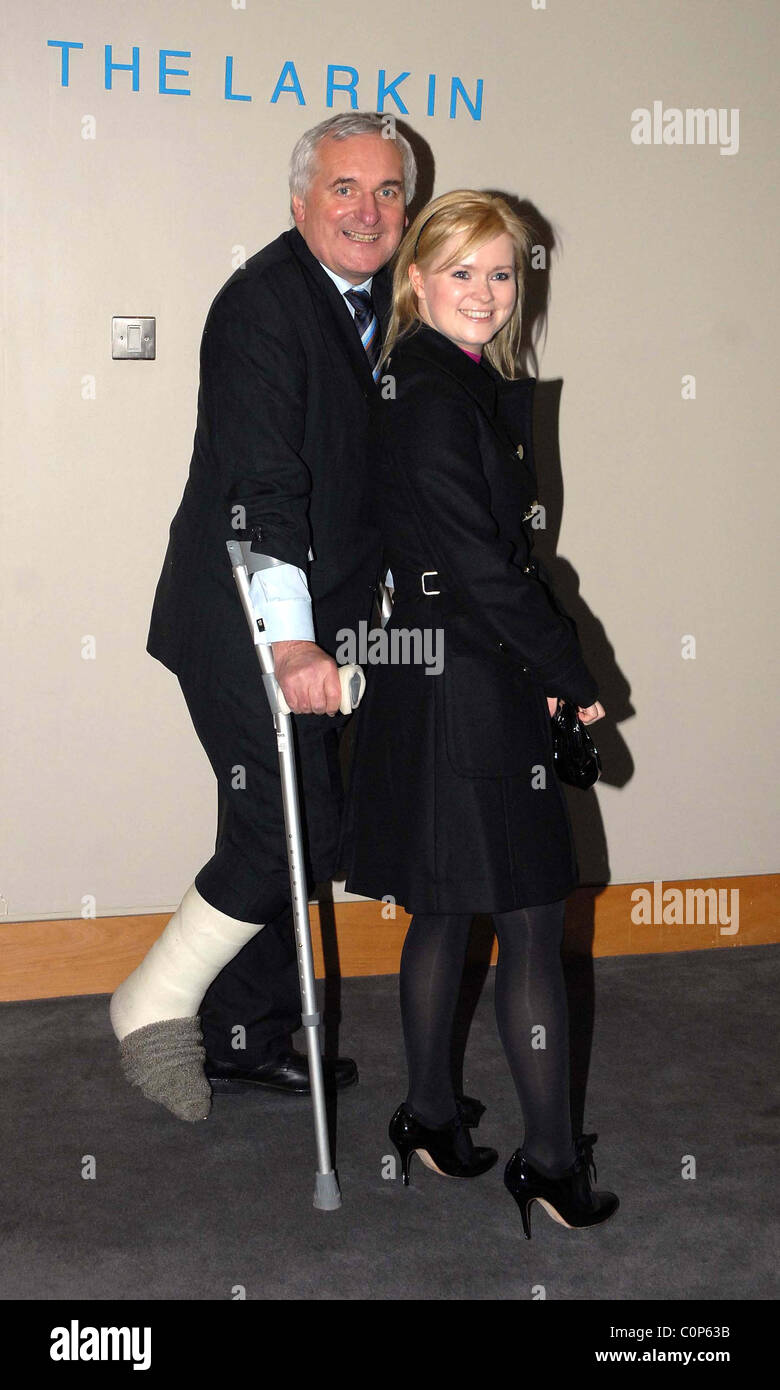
(353, 214)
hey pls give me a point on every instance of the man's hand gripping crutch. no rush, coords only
(327, 1196)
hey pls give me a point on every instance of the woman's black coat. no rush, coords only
(454, 804)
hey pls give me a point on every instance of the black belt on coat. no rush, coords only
(411, 584)
(414, 583)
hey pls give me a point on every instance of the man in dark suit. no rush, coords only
(288, 370)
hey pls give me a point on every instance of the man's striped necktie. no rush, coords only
(367, 325)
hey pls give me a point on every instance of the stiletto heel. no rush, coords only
(406, 1157)
(437, 1146)
(402, 1142)
(569, 1198)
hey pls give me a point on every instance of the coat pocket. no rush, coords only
(494, 718)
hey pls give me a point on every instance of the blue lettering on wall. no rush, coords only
(288, 71)
(166, 72)
(66, 47)
(457, 89)
(332, 85)
(112, 67)
(230, 95)
(431, 94)
(339, 78)
(387, 89)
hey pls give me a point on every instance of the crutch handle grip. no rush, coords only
(353, 683)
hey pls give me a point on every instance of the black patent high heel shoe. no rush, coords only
(438, 1147)
(569, 1198)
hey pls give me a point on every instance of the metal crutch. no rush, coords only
(327, 1196)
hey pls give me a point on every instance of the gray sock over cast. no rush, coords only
(154, 1011)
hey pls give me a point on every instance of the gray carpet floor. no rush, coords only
(674, 1056)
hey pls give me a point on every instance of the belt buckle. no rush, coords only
(427, 574)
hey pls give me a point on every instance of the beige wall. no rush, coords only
(666, 267)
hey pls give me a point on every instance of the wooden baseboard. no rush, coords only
(45, 960)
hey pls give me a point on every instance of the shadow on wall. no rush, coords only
(426, 169)
(614, 688)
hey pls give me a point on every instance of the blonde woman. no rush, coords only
(455, 806)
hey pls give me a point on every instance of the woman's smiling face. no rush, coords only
(472, 299)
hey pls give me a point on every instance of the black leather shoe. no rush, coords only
(289, 1073)
(569, 1198)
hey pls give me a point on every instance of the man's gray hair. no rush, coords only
(341, 127)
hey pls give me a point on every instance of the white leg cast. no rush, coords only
(154, 1011)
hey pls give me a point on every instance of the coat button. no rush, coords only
(520, 451)
(527, 569)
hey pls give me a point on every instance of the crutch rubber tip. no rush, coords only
(327, 1196)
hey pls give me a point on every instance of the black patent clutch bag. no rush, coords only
(575, 755)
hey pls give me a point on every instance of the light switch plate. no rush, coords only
(132, 337)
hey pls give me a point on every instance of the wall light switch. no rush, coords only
(133, 337)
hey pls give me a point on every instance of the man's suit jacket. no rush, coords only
(283, 410)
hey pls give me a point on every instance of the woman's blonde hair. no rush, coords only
(474, 218)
